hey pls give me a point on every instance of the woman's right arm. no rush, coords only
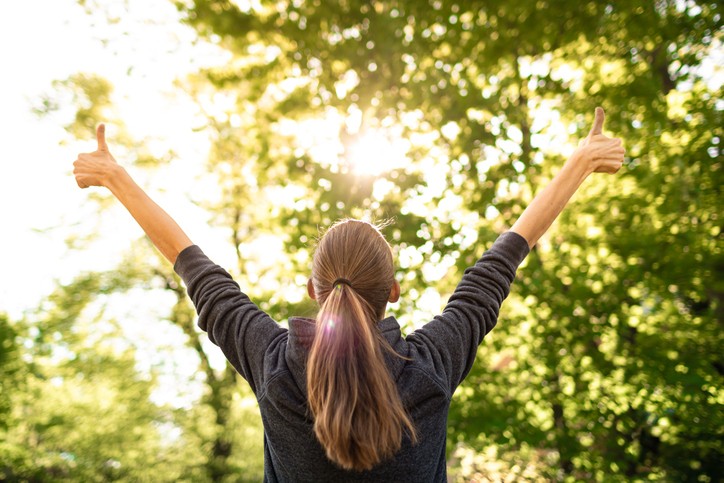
(450, 341)
(596, 154)
(472, 311)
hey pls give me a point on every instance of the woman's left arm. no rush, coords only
(243, 331)
(99, 168)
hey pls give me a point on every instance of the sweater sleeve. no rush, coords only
(242, 330)
(451, 339)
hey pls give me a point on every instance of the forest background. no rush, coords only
(257, 123)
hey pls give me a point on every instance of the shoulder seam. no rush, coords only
(275, 375)
(433, 377)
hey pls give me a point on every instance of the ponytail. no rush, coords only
(358, 416)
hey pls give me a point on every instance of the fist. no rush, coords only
(95, 169)
(600, 153)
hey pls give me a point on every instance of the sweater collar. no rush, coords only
(301, 331)
(301, 336)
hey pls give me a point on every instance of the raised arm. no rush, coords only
(452, 338)
(99, 168)
(596, 154)
(243, 331)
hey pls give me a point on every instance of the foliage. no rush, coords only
(609, 353)
(606, 364)
(82, 410)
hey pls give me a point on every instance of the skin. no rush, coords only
(596, 153)
(100, 168)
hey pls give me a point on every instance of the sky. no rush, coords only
(141, 54)
(40, 204)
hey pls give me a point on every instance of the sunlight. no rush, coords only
(376, 151)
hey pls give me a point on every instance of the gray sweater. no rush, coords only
(271, 358)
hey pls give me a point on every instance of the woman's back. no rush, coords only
(426, 366)
(292, 452)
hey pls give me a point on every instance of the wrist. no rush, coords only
(579, 166)
(115, 177)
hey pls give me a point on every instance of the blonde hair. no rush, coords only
(358, 416)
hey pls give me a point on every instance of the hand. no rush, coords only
(96, 168)
(600, 153)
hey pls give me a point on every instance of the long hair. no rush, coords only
(358, 415)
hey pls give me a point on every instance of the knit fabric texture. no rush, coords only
(437, 357)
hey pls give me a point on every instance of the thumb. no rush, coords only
(597, 122)
(101, 135)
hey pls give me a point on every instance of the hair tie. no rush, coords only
(341, 280)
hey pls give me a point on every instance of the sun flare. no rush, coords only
(376, 151)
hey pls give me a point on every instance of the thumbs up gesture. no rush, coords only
(96, 168)
(600, 153)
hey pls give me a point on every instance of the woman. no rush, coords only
(345, 397)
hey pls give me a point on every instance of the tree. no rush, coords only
(618, 338)
(82, 410)
(606, 362)
(206, 426)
